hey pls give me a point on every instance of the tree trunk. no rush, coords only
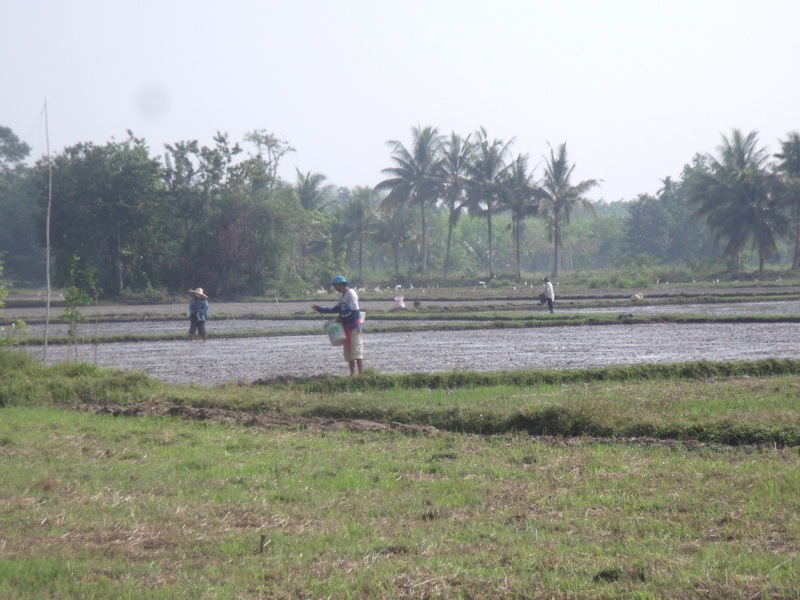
(556, 246)
(447, 248)
(424, 243)
(360, 256)
(115, 255)
(491, 253)
(796, 259)
(515, 234)
(396, 256)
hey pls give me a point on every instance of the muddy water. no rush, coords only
(245, 360)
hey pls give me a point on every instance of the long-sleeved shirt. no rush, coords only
(199, 308)
(347, 308)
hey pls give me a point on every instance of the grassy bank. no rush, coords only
(103, 507)
(678, 481)
(727, 403)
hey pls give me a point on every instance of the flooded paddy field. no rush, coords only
(241, 317)
(248, 359)
(301, 309)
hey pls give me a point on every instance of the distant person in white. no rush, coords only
(549, 294)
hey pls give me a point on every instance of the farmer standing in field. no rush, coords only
(549, 294)
(198, 310)
(351, 318)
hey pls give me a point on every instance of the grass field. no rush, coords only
(673, 482)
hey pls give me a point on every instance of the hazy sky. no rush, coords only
(635, 87)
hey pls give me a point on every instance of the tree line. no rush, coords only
(450, 208)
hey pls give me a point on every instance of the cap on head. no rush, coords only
(339, 279)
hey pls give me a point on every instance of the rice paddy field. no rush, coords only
(616, 449)
(464, 329)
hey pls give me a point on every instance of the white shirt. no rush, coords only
(350, 299)
(548, 290)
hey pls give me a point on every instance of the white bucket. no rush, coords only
(336, 333)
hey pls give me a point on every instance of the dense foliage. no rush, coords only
(452, 208)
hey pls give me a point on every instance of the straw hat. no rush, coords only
(198, 292)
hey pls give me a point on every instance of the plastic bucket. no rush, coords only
(336, 333)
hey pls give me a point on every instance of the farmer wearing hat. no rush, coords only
(198, 309)
(350, 318)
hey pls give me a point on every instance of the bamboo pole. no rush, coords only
(47, 225)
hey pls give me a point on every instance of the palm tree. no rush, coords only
(456, 160)
(314, 196)
(358, 220)
(486, 181)
(559, 196)
(312, 191)
(396, 231)
(519, 194)
(789, 166)
(736, 197)
(416, 177)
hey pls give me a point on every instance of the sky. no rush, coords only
(635, 88)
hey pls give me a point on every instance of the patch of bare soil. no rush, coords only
(257, 420)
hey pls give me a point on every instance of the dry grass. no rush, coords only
(162, 508)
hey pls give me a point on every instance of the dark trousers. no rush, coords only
(550, 304)
(198, 327)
